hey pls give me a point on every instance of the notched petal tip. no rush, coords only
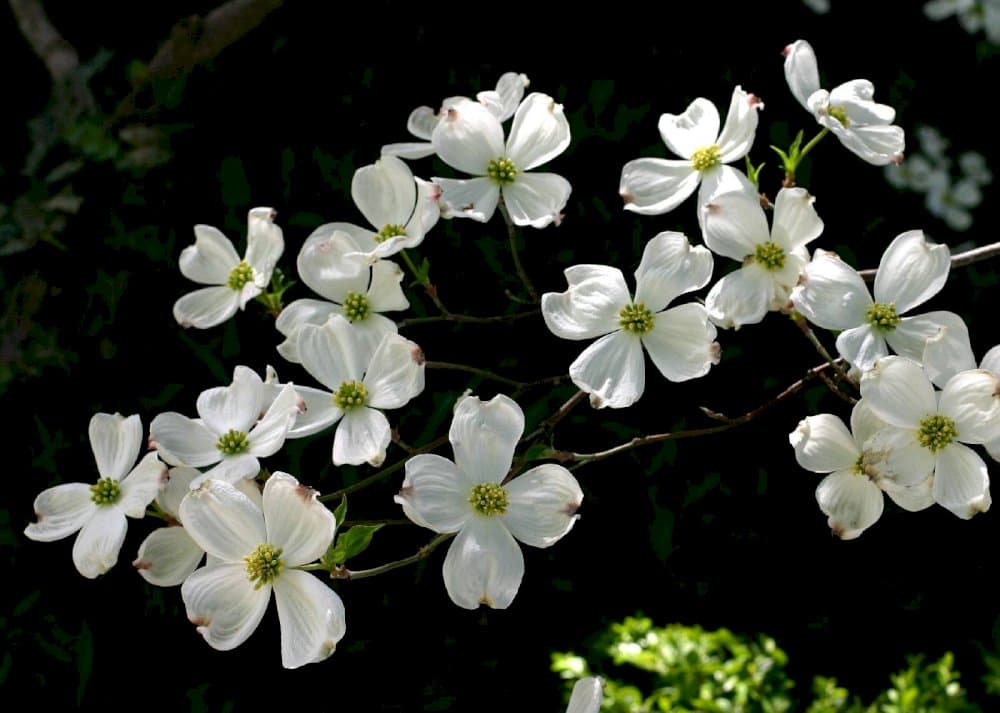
(714, 352)
(417, 354)
(755, 101)
(202, 622)
(141, 564)
(571, 508)
(627, 197)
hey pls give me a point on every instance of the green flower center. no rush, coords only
(705, 158)
(105, 491)
(356, 307)
(882, 316)
(264, 564)
(240, 275)
(840, 114)
(501, 170)
(389, 231)
(233, 442)
(636, 318)
(350, 395)
(936, 432)
(770, 255)
(489, 499)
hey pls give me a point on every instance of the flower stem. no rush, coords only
(512, 237)
(429, 287)
(802, 324)
(796, 158)
(422, 553)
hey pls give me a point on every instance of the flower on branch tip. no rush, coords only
(468, 496)
(98, 511)
(651, 186)
(256, 549)
(213, 260)
(849, 111)
(470, 138)
(680, 340)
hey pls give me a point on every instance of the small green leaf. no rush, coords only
(539, 451)
(340, 514)
(352, 542)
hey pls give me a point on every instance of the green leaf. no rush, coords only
(340, 513)
(352, 542)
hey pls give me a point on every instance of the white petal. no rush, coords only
(235, 407)
(484, 435)
(484, 565)
(60, 511)
(183, 441)
(651, 186)
(590, 306)
(223, 521)
(330, 353)
(369, 334)
(178, 484)
(141, 485)
(912, 498)
(222, 602)
(911, 271)
(855, 98)
(362, 437)
(801, 71)
(743, 296)
(474, 198)
(898, 457)
(409, 149)
(435, 493)
(735, 224)
(862, 346)
(267, 437)
(537, 199)
(796, 222)
(991, 361)
(910, 336)
(682, 342)
(540, 132)
(898, 391)
(510, 89)
(395, 374)
(587, 696)
(864, 422)
(670, 267)
(207, 307)
(296, 520)
(320, 412)
(947, 350)
(823, 444)
(972, 399)
(299, 312)
(384, 192)
(611, 370)
(385, 292)
(421, 122)
(96, 548)
(831, 294)
(265, 244)
(961, 483)
(115, 441)
(542, 505)
(741, 126)
(696, 128)
(212, 257)
(468, 137)
(323, 262)
(878, 145)
(231, 469)
(853, 503)
(312, 618)
(167, 556)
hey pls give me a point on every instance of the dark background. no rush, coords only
(722, 531)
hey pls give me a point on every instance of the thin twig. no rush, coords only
(802, 324)
(561, 413)
(512, 237)
(59, 56)
(958, 260)
(486, 374)
(467, 318)
(422, 553)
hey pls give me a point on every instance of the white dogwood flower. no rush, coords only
(862, 125)
(98, 511)
(484, 564)
(587, 695)
(470, 138)
(651, 186)
(680, 340)
(213, 260)
(256, 550)
(735, 226)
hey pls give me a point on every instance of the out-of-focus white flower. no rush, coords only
(587, 695)
(98, 511)
(470, 138)
(484, 564)
(862, 125)
(820, 7)
(651, 186)
(502, 102)
(926, 430)
(212, 260)
(952, 203)
(255, 550)
(973, 15)
(680, 341)
(772, 261)
(230, 430)
(833, 296)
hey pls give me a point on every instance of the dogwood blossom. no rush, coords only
(470, 138)
(230, 432)
(772, 261)
(679, 340)
(833, 296)
(257, 549)
(484, 564)
(587, 695)
(213, 260)
(98, 511)
(926, 430)
(651, 186)
(862, 125)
